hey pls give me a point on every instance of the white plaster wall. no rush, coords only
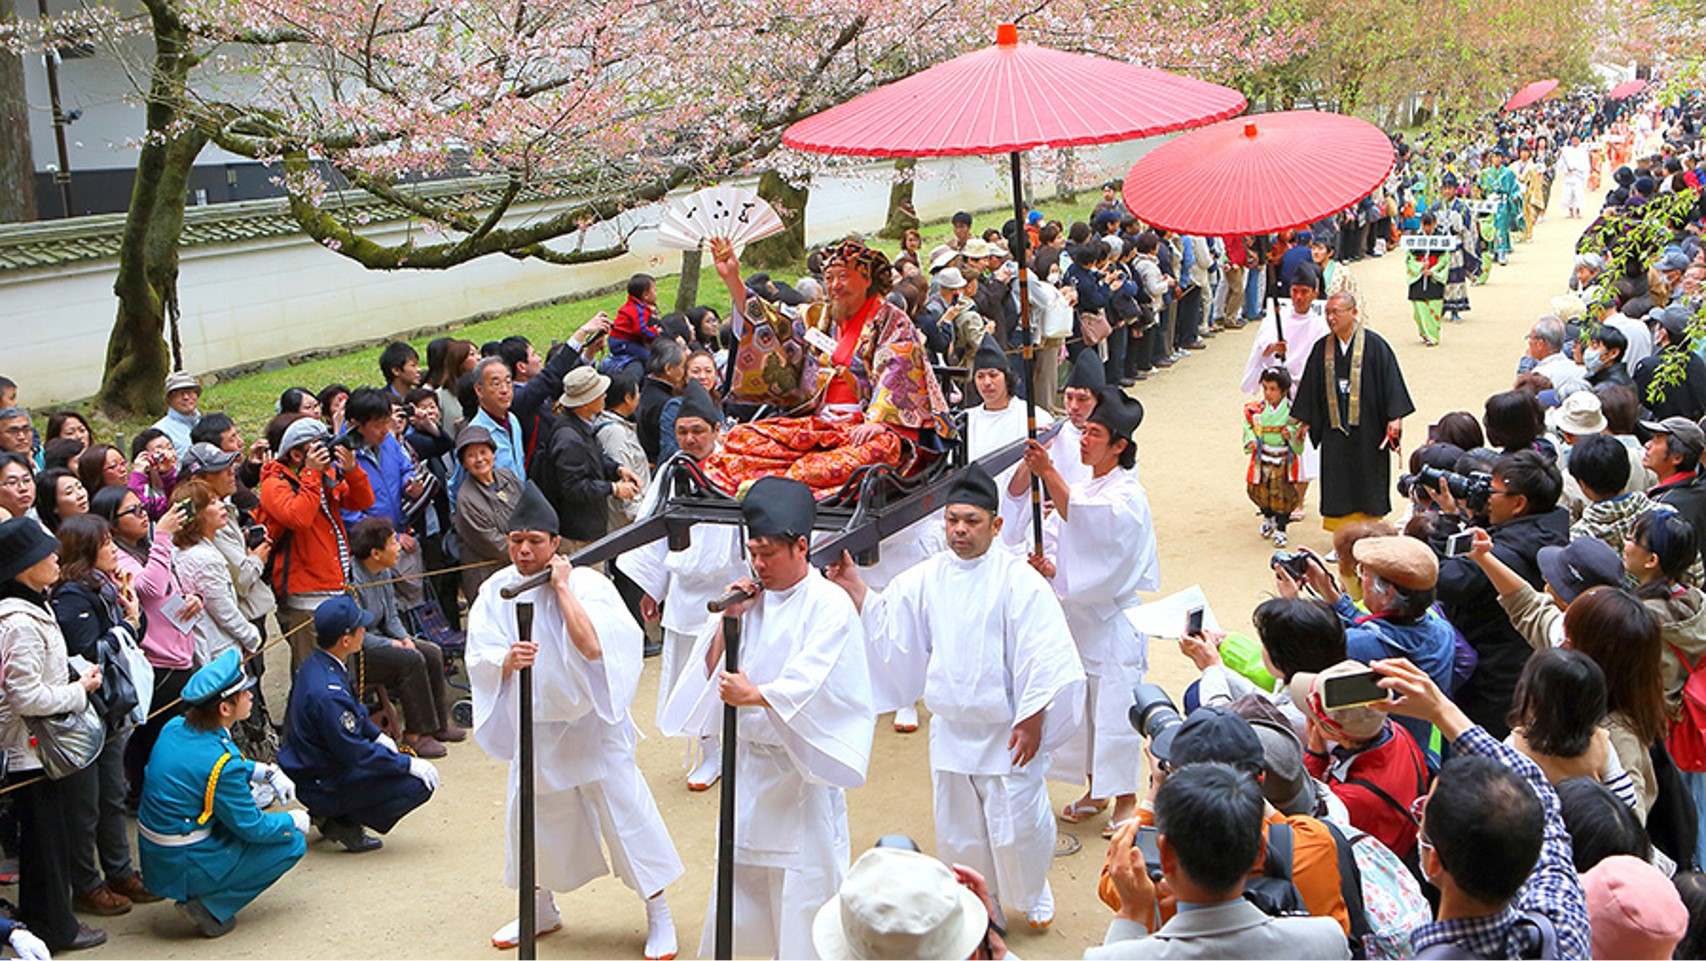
(252, 301)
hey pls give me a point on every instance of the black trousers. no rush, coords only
(168, 684)
(376, 803)
(44, 856)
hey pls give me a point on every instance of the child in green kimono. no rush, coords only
(1427, 271)
(1274, 441)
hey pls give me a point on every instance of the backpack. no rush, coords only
(1540, 941)
(1392, 902)
(1687, 739)
(1273, 892)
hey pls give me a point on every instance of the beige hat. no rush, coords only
(977, 247)
(896, 903)
(1351, 723)
(1580, 414)
(179, 380)
(1568, 307)
(583, 385)
(1399, 560)
(950, 278)
(942, 256)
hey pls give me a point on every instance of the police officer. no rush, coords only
(204, 841)
(350, 773)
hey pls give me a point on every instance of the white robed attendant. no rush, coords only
(1574, 163)
(585, 658)
(1078, 396)
(1099, 552)
(997, 422)
(1304, 324)
(804, 730)
(984, 641)
(678, 584)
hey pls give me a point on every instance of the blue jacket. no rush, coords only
(329, 741)
(387, 469)
(1429, 643)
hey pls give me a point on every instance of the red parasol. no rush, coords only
(1013, 97)
(1258, 174)
(1008, 99)
(1533, 93)
(1626, 89)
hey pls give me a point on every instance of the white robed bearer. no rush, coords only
(585, 660)
(985, 642)
(678, 584)
(804, 731)
(994, 424)
(1099, 551)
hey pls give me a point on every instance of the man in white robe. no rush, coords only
(585, 656)
(1099, 551)
(1573, 165)
(983, 640)
(997, 422)
(1304, 324)
(1083, 385)
(678, 584)
(805, 725)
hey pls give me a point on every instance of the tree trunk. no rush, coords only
(1065, 186)
(17, 168)
(902, 215)
(687, 294)
(789, 246)
(147, 281)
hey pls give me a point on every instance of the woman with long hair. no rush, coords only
(1556, 720)
(1617, 630)
(59, 495)
(458, 360)
(102, 465)
(99, 613)
(70, 425)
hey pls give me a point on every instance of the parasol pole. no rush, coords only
(1028, 351)
(725, 945)
(525, 948)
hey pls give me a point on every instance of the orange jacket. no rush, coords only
(291, 508)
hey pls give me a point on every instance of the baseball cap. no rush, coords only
(1585, 562)
(1672, 260)
(1213, 734)
(1285, 781)
(1681, 428)
(337, 616)
(204, 458)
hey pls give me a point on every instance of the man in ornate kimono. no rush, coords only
(805, 725)
(981, 636)
(1099, 551)
(1497, 182)
(678, 584)
(1426, 271)
(1456, 219)
(585, 656)
(1354, 400)
(853, 369)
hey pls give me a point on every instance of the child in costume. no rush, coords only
(1274, 441)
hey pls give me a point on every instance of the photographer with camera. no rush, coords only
(304, 491)
(1521, 499)
(391, 474)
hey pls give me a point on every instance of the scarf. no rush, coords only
(1333, 381)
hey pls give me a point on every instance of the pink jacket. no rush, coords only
(156, 584)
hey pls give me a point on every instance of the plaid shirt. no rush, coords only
(1552, 889)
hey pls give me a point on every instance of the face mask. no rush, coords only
(1593, 359)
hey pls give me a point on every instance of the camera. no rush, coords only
(1472, 490)
(1295, 563)
(1154, 715)
(254, 535)
(349, 440)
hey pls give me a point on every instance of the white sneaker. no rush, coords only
(906, 719)
(546, 920)
(709, 769)
(1267, 527)
(1279, 538)
(660, 931)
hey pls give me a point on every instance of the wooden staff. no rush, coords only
(726, 828)
(1029, 349)
(526, 948)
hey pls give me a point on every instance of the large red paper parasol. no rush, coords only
(1626, 89)
(1533, 93)
(1010, 98)
(1013, 97)
(1258, 174)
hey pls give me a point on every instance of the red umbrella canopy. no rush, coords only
(1258, 174)
(1626, 89)
(1532, 93)
(1011, 97)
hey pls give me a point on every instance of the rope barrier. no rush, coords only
(273, 642)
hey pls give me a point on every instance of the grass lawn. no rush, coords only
(251, 399)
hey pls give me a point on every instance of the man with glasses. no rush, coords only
(16, 434)
(1492, 838)
(17, 486)
(1524, 516)
(1546, 353)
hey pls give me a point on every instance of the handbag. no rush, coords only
(1094, 326)
(67, 743)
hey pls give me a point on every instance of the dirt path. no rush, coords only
(435, 890)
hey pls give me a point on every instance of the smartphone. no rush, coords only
(1458, 544)
(1145, 841)
(1352, 690)
(1193, 621)
(186, 508)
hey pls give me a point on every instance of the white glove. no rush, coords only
(385, 740)
(423, 769)
(282, 785)
(28, 946)
(299, 818)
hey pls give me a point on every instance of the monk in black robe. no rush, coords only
(1353, 398)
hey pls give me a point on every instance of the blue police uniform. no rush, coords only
(330, 751)
(202, 837)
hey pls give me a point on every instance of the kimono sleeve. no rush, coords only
(896, 643)
(1106, 549)
(1046, 670)
(821, 702)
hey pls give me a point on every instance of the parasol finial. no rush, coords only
(1250, 129)
(1007, 35)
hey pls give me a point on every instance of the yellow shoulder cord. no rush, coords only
(212, 786)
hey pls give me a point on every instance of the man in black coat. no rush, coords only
(574, 473)
(1685, 399)
(1524, 517)
(1673, 454)
(666, 371)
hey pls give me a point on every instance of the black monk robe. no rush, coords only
(1356, 471)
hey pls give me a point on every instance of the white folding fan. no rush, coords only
(736, 214)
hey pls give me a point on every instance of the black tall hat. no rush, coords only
(1118, 412)
(1087, 372)
(975, 487)
(778, 507)
(533, 513)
